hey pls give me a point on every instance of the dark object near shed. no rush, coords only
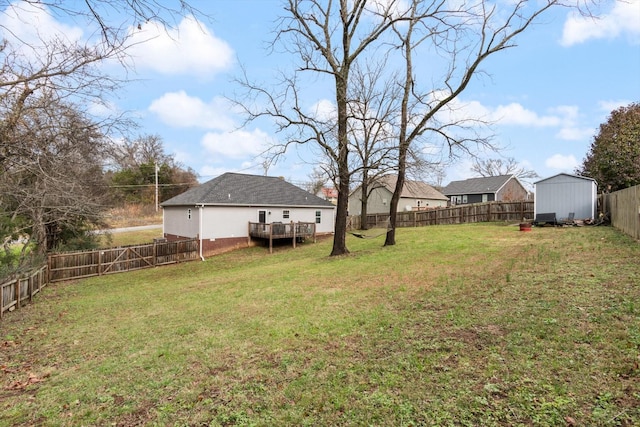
(545, 219)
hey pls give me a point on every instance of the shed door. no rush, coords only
(262, 217)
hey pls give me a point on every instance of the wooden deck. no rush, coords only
(282, 230)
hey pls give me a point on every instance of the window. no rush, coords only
(318, 217)
(464, 199)
(285, 214)
(188, 213)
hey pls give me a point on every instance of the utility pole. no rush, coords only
(156, 168)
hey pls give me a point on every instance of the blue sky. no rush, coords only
(548, 95)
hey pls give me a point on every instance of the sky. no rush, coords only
(547, 96)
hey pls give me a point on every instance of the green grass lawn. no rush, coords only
(130, 237)
(470, 325)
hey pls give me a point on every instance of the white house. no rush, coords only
(219, 211)
(564, 194)
(415, 195)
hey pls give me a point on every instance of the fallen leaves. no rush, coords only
(31, 379)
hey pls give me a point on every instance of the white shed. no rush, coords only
(564, 194)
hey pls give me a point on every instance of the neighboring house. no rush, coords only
(330, 194)
(415, 195)
(486, 189)
(218, 212)
(564, 194)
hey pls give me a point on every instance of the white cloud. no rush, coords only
(181, 110)
(611, 105)
(622, 20)
(570, 133)
(190, 49)
(394, 8)
(516, 114)
(30, 28)
(102, 109)
(324, 110)
(236, 144)
(209, 172)
(562, 163)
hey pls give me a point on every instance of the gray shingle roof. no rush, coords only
(237, 189)
(412, 189)
(484, 185)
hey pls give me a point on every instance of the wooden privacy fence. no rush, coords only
(624, 208)
(477, 212)
(15, 292)
(75, 265)
(20, 290)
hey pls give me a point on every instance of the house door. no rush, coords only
(262, 217)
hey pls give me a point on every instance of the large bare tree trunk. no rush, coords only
(364, 201)
(390, 240)
(340, 236)
(340, 230)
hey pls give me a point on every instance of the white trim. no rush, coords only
(200, 215)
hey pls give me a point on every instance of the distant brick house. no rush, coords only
(330, 194)
(486, 189)
(219, 211)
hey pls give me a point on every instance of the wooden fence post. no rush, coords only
(293, 228)
(17, 292)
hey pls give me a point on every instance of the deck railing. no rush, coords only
(282, 230)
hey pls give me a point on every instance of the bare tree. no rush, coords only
(327, 38)
(373, 107)
(464, 34)
(49, 148)
(318, 178)
(68, 67)
(101, 13)
(497, 167)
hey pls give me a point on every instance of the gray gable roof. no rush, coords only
(411, 189)
(235, 189)
(484, 185)
(578, 177)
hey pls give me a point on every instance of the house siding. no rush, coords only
(511, 191)
(176, 221)
(380, 201)
(232, 222)
(409, 204)
(564, 194)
